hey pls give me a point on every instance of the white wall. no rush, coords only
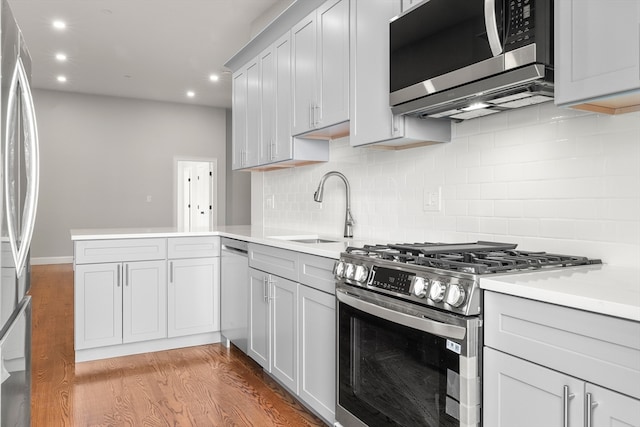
(102, 156)
(546, 178)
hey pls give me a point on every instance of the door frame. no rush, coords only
(214, 187)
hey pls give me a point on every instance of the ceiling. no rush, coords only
(145, 49)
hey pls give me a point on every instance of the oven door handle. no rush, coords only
(423, 324)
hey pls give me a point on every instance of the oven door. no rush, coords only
(398, 367)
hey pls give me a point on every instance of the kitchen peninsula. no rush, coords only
(142, 290)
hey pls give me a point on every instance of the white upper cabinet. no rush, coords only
(371, 119)
(254, 114)
(267, 106)
(239, 118)
(597, 55)
(276, 102)
(262, 114)
(320, 69)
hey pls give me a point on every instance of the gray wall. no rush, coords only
(102, 156)
(238, 188)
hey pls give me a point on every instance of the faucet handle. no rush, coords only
(350, 219)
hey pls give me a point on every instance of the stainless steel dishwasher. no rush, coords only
(234, 289)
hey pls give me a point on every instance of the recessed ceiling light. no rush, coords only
(61, 57)
(61, 79)
(191, 94)
(214, 77)
(59, 25)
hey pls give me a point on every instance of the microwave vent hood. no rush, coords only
(521, 87)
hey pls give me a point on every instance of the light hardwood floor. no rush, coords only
(198, 386)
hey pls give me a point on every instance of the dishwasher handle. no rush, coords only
(228, 245)
(232, 250)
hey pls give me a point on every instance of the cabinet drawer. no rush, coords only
(317, 272)
(280, 262)
(600, 349)
(194, 247)
(118, 250)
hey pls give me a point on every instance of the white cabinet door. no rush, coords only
(371, 117)
(320, 71)
(267, 105)
(597, 49)
(609, 408)
(371, 120)
(332, 85)
(317, 337)
(254, 115)
(239, 118)
(259, 320)
(283, 298)
(98, 305)
(282, 147)
(193, 299)
(523, 394)
(303, 44)
(144, 302)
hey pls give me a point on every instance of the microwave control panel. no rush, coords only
(520, 23)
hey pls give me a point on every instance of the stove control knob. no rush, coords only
(436, 292)
(420, 287)
(349, 270)
(361, 274)
(456, 295)
(339, 269)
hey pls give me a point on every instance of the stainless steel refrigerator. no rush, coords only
(19, 196)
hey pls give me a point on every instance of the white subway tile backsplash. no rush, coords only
(508, 208)
(558, 228)
(550, 179)
(523, 227)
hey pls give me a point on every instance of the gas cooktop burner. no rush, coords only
(440, 275)
(474, 258)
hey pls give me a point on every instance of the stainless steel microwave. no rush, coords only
(462, 59)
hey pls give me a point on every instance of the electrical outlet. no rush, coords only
(432, 199)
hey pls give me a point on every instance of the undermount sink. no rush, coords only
(313, 241)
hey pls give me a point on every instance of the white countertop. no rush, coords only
(271, 237)
(603, 289)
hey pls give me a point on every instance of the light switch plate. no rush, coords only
(432, 199)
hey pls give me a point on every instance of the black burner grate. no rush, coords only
(474, 258)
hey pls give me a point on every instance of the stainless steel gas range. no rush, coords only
(410, 329)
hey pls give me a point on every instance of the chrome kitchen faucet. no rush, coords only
(317, 196)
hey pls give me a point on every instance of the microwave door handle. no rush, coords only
(32, 160)
(426, 325)
(492, 27)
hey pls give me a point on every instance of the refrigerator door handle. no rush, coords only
(20, 244)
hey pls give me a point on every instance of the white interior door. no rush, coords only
(197, 199)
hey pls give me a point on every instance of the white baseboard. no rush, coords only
(52, 260)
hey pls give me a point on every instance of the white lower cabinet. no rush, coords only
(130, 300)
(521, 393)
(548, 365)
(317, 343)
(193, 296)
(292, 330)
(259, 327)
(118, 303)
(273, 326)
(283, 299)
